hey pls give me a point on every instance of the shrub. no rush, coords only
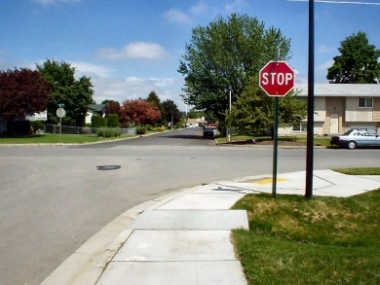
(149, 127)
(37, 125)
(159, 129)
(113, 121)
(108, 132)
(98, 122)
(141, 130)
(86, 130)
(19, 128)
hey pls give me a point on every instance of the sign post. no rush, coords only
(277, 80)
(60, 114)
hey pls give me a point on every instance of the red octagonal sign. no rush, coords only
(276, 78)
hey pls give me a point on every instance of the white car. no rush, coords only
(356, 138)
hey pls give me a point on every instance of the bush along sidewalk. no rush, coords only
(108, 132)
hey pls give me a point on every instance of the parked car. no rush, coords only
(208, 132)
(356, 138)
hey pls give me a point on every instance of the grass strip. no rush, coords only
(57, 138)
(318, 141)
(272, 261)
(326, 240)
(359, 171)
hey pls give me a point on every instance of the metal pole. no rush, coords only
(310, 108)
(275, 147)
(186, 118)
(229, 134)
(275, 139)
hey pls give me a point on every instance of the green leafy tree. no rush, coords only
(254, 109)
(113, 121)
(358, 61)
(81, 97)
(76, 95)
(171, 112)
(195, 114)
(226, 53)
(154, 100)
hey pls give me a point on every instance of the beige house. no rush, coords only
(340, 107)
(192, 123)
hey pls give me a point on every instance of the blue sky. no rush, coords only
(132, 47)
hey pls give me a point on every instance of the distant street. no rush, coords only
(53, 198)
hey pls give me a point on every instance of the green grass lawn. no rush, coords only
(56, 138)
(325, 240)
(318, 141)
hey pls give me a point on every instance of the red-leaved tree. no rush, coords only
(22, 92)
(139, 111)
(112, 107)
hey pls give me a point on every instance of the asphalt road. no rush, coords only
(54, 198)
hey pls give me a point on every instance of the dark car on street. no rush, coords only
(356, 138)
(208, 133)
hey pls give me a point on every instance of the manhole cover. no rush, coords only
(108, 167)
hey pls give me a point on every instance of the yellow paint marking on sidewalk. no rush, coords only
(268, 181)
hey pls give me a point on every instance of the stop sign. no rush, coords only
(276, 78)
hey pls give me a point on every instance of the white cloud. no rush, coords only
(325, 49)
(324, 66)
(235, 5)
(90, 68)
(199, 8)
(53, 2)
(176, 16)
(136, 50)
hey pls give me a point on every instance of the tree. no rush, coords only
(195, 114)
(81, 97)
(171, 112)
(22, 92)
(139, 112)
(226, 53)
(154, 100)
(253, 111)
(112, 107)
(358, 62)
(76, 95)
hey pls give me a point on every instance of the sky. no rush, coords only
(132, 47)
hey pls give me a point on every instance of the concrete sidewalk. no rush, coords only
(185, 238)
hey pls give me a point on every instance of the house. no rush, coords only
(340, 107)
(192, 123)
(41, 116)
(95, 109)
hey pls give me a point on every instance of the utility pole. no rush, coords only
(310, 108)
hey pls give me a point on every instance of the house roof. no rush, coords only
(340, 90)
(193, 121)
(96, 107)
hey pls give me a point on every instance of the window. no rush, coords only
(365, 102)
(301, 127)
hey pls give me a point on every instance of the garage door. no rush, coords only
(364, 127)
